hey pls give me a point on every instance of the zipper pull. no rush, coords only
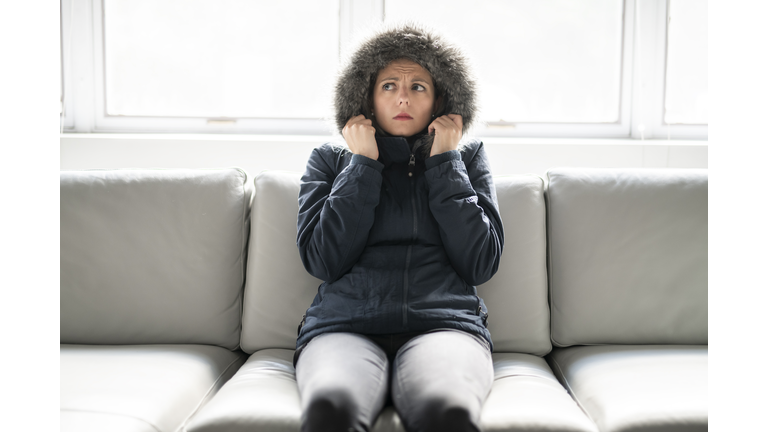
(411, 165)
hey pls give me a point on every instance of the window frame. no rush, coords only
(643, 72)
(651, 68)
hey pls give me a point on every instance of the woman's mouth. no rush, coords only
(403, 116)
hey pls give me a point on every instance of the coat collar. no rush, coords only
(396, 150)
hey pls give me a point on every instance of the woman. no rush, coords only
(401, 224)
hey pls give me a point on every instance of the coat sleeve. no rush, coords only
(462, 198)
(336, 212)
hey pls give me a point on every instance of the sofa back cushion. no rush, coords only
(279, 290)
(153, 256)
(628, 256)
(516, 296)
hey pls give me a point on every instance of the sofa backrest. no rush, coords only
(516, 296)
(279, 290)
(277, 287)
(628, 256)
(153, 256)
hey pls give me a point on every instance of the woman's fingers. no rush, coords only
(447, 133)
(457, 119)
(357, 124)
(439, 125)
(450, 122)
(359, 134)
(355, 120)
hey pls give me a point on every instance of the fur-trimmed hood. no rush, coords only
(449, 67)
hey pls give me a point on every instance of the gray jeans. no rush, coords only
(439, 380)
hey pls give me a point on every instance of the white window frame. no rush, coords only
(618, 129)
(651, 70)
(644, 43)
(68, 39)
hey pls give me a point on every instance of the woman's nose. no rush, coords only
(402, 97)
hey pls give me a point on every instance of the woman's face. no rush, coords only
(403, 98)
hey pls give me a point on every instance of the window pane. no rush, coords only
(220, 58)
(687, 91)
(536, 61)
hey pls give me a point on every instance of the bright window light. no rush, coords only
(220, 58)
(553, 61)
(687, 95)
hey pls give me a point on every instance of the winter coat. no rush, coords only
(402, 241)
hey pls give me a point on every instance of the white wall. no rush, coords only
(257, 153)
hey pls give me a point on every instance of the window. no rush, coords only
(222, 58)
(539, 62)
(685, 98)
(560, 68)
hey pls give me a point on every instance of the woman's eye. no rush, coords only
(388, 86)
(419, 87)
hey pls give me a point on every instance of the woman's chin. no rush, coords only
(403, 131)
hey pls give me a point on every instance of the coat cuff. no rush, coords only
(437, 159)
(365, 160)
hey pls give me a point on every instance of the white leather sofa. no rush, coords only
(175, 316)
(628, 295)
(152, 273)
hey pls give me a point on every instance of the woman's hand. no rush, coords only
(447, 133)
(360, 136)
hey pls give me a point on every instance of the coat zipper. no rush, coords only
(411, 166)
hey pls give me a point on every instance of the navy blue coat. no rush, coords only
(400, 241)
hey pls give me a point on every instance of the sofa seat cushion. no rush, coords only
(141, 387)
(526, 396)
(263, 396)
(638, 388)
(94, 421)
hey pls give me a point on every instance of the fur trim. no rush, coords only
(449, 67)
